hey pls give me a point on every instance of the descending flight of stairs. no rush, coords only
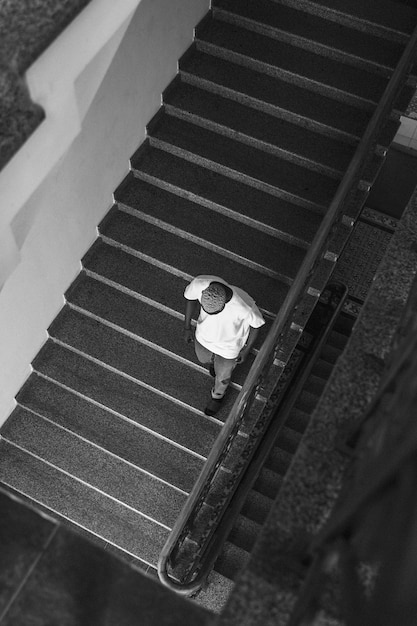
(234, 178)
(267, 484)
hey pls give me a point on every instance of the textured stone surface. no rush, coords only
(27, 27)
(315, 476)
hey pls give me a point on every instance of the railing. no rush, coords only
(192, 577)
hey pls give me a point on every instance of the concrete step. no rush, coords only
(93, 465)
(288, 439)
(173, 255)
(315, 72)
(385, 18)
(298, 420)
(315, 384)
(140, 363)
(307, 401)
(231, 561)
(245, 163)
(146, 320)
(278, 460)
(311, 32)
(256, 506)
(231, 197)
(85, 507)
(274, 96)
(244, 533)
(103, 413)
(263, 131)
(322, 369)
(268, 483)
(183, 217)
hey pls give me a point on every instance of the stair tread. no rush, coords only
(212, 187)
(258, 247)
(244, 533)
(99, 422)
(279, 96)
(298, 419)
(80, 504)
(248, 162)
(142, 363)
(303, 63)
(389, 14)
(325, 32)
(268, 483)
(94, 466)
(181, 254)
(256, 506)
(231, 560)
(278, 460)
(276, 133)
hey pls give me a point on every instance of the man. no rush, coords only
(227, 326)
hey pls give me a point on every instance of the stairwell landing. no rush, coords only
(233, 179)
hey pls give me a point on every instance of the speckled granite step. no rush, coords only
(87, 508)
(268, 483)
(256, 506)
(180, 216)
(80, 459)
(136, 361)
(313, 71)
(266, 132)
(177, 254)
(231, 561)
(109, 414)
(274, 96)
(244, 533)
(383, 18)
(309, 31)
(231, 197)
(245, 163)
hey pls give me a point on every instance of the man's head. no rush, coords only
(213, 298)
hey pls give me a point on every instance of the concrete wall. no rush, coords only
(57, 224)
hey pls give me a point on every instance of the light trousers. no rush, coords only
(223, 368)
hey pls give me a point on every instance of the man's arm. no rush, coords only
(192, 309)
(253, 333)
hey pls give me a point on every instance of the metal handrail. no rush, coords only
(352, 175)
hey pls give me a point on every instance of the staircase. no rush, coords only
(267, 485)
(236, 173)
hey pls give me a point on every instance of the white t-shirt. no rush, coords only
(224, 333)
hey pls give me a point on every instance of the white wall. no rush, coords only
(58, 222)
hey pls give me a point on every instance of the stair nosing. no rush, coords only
(329, 91)
(350, 20)
(127, 333)
(136, 381)
(129, 292)
(47, 510)
(204, 243)
(236, 175)
(275, 110)
(145, 257)
(223, 210)
(157, 479)
(248, 140)
(86, 484)
(273, 32)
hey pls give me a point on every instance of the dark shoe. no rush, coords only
(213, 406)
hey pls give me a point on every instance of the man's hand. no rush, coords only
(188, 335)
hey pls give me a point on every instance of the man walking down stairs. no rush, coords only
(234, 179)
